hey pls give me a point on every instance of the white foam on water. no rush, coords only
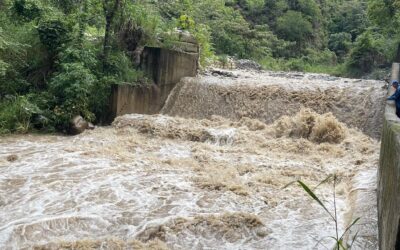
(215, 183)
(176, 151)
(224, 136)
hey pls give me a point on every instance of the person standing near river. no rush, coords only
(396, 96)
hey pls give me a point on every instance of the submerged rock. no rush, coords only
(78, 124)
(12, 158)
(247, 64)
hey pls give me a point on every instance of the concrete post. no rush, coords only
(397, 59)
(395, 71)
(393, 76)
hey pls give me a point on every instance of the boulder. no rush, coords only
(186, 47)
(12, 158)
(186, 37)
(247, 65)
(182, 41)
(78, 124)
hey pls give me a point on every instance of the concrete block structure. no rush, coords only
(389, 177)
(165, 67)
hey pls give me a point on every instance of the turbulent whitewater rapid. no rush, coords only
(208, 173)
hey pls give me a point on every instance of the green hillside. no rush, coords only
(58, 58)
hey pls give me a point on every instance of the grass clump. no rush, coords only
(338, 238)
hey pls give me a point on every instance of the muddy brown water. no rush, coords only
(207, 174)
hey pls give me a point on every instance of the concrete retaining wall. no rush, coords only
(389, 177)
(166, 68)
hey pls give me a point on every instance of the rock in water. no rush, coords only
(12, 158)
(91, 126)
(247, 65)
(77, 125)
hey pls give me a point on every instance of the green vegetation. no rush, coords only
(59, 58)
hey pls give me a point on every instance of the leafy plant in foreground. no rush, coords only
(339, 244)
(16, 115)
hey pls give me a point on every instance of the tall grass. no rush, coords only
(338, 238)
(301, 65)
(16, 114)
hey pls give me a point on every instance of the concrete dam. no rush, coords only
(207, 168)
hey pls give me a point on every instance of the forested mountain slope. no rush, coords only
(59, 58)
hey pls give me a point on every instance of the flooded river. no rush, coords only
(208, 173)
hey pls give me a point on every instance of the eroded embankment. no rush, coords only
(163, 182)
(267, 96)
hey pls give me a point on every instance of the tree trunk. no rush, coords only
(106, 44)
(109, 13)
(82, 22)
(397, 59)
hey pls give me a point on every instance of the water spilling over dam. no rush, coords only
(207, 173)
(269, 95)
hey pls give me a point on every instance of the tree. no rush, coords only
(384, 14)
(27, 10)
(110, 9)
(366, 53)
(293, 26)
(340, 43)
(351, 18)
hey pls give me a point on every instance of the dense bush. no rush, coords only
(367, 53)
(72, 87)
(340, 43)
(16, 115)
(54, 34)
(293, 26)
(27, 10)
(351, 18)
